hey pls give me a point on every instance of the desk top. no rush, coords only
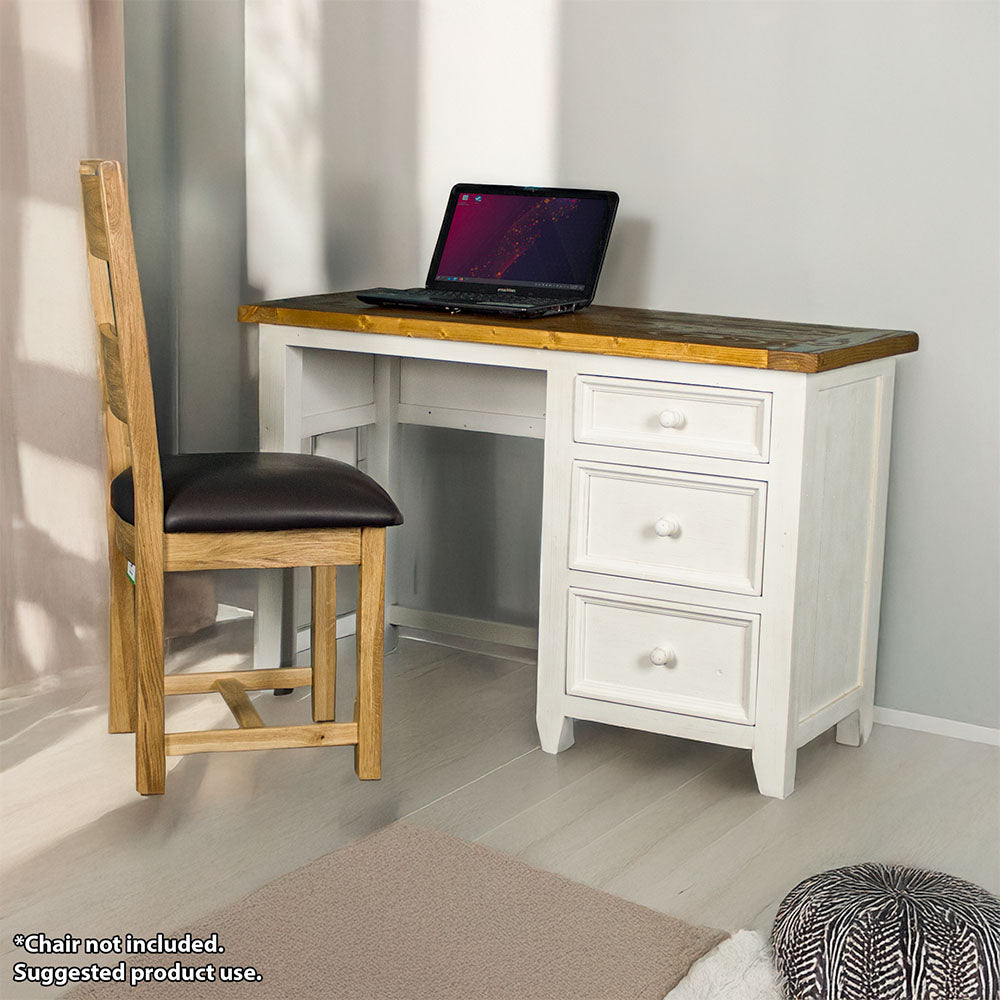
(611, 330)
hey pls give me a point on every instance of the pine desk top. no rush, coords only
(610, 330)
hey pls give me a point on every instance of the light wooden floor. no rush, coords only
(673, 824)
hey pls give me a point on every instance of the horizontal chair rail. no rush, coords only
(261, 549)
(250, 680)
(269, 738)
(199, 550)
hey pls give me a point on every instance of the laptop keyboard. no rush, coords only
(520, 300)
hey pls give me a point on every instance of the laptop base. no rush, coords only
(424, 298)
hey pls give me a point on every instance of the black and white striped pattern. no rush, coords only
(887, 932)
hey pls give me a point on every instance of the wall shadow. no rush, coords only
(13, 123)
(54, 595)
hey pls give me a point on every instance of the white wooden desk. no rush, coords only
(714, 498)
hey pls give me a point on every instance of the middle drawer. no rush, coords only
(670, 527)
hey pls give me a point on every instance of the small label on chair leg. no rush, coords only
(130, 572)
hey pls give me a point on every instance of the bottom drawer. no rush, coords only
(672, 657)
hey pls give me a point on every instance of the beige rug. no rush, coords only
(413, 914)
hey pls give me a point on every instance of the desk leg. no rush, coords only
(775, 730)
(855, 729)
(280, 401)
(555, 729)
(555, 734)
(383, 459)
(274, 631)
(774, 766)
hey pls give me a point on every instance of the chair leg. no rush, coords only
(324, 642)
(371, 614)
(150, 756)
(121, 660)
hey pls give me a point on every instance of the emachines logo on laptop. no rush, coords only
(516, 251)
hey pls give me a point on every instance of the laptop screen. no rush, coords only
(530, 239)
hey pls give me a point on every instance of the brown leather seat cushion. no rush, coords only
(261, 491)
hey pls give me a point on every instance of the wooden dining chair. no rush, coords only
(218, 511)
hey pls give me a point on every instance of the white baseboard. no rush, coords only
(522, 636)
(501, 650)
(494, 633)
(940, 727)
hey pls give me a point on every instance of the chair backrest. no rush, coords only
(129, 417)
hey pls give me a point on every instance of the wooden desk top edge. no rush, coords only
(608, 330)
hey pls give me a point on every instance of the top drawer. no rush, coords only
(666, 416)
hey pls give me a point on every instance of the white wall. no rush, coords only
(62, 86)
(486, 100)
(831, 162)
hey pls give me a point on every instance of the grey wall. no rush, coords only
(184, 103)
(368, 113)
(471, 541)
(838, 163)
(150, 81)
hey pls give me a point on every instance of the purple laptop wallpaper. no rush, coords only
(522, 239)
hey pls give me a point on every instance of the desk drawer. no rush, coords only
(671, 527)
(665, 416)
(672, 657)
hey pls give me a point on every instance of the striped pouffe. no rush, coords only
(887, 932)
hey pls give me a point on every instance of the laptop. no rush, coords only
(513, 251)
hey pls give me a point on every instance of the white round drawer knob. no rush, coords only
(663, 657)
(671, 418)
(667, 527)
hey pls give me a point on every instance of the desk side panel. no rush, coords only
(846, 484)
